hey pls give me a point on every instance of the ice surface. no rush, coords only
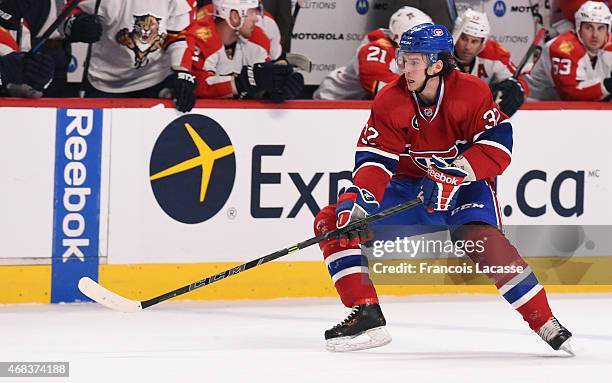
(462, 338)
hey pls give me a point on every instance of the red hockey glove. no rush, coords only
(441, 185)
(355, 204)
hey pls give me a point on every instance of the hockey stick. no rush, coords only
(534, 44)
(115, 301)
(87, 58)
(299, 61)
(294, 15)
(60, 19)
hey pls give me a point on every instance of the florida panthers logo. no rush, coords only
(422, 159)
(144, 38)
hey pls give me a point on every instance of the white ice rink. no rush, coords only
(435, 339)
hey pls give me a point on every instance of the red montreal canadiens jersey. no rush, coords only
(401, 136)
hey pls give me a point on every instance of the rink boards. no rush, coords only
(115, 190)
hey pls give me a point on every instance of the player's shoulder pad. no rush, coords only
(268, 15)
(206, 35)
(376, 34)
(467, 83)
(393, 92)
(566, 45)
(494, 51)
(204, 11)
(382, 42)
(259, 37)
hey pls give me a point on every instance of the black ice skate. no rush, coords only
(363, 328)
(557, 336)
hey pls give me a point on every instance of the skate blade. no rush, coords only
(375, 337)
(567, 347)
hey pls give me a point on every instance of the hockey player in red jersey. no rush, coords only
(374, 63)
(232, 55)
(425, 137)
(488, 60)
(265, 21)
(577, 65)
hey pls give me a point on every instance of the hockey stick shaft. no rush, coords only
(87, 59)
(537, 39)
(294, 16)
(53, 27)
(280, 253)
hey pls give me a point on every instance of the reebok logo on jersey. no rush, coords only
(439, 176)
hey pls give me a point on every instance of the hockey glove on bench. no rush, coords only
(290, 90)
(509, 95)
(255, 80)
(34, 70)
(184, 85)
(354, 204)
(441, 184)
(83, 27)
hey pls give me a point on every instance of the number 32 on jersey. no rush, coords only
(368, 135)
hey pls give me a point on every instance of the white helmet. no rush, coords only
(472, 23)
(223, 8)
(593, 12)
(404, 19)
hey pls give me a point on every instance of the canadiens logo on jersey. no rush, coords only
(144, 38)
(423, 158)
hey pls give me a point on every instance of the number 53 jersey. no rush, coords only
(565, 71)
(463, 126)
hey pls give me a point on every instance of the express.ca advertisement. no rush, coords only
(222, 185)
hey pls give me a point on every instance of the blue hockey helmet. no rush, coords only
(427, 38)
